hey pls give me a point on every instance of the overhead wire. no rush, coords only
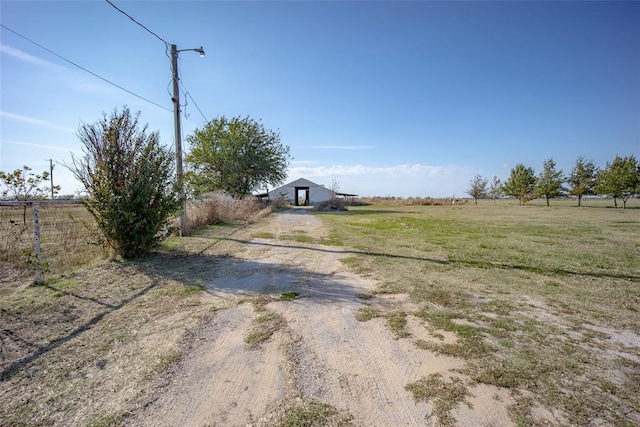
(166, 44)
(84, 69)
(130, 17)
(185, 91)
(197, 107)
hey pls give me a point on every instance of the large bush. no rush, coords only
(128, 176)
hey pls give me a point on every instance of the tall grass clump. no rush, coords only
(220, 209)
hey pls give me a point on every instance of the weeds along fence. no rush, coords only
(56, 236)
(46, 236)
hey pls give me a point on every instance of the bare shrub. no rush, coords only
(219, 208)
(280, 203)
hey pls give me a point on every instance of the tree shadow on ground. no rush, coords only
(228, 276)
(460, 262)
(220, 276)
(36, 350)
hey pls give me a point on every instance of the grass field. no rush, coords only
(543, 300)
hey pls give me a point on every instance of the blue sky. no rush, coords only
(387, 98)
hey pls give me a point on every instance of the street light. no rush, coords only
(182, 221)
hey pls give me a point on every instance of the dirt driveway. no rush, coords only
(319, 357)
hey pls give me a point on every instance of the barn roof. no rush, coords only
(302, 182)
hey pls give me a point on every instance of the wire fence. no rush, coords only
(52, 236)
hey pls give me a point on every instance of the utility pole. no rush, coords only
(182, 221)
(51, 176)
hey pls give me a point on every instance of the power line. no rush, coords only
(186, 93)
(84, 69)
(129, 16)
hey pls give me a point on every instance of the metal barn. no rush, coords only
(302, 192)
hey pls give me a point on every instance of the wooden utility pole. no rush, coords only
(51, 176)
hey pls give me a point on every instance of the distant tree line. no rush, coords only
(619, 179)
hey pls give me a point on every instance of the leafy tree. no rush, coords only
(520, 183)
(128, 176)
(582, 178)
(237, 156)
(24, 185)
(549, 182)
(495, 189)
(478, 187)
(619, 179)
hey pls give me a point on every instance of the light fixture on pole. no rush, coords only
(182, 221)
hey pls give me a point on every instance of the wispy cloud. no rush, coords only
(342, 147)
(23, 56)
(49, 147)
(78, 81)
(34, 121)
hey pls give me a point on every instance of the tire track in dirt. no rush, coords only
(359, 368)
(214, 382)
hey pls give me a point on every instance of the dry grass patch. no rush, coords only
(87, 348)
(364, 296)
(308, 413)
(396, 321)
(367, 313)
(444, 395)
(264, 326)
(263, 235)
(69, 239)
(299, 236)
(72, 345)
(219, 209)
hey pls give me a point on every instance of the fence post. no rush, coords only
(36, 240)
